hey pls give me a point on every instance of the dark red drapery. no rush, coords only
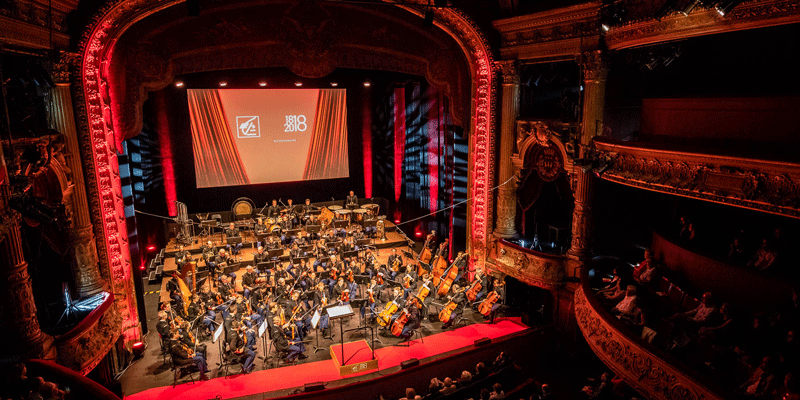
(327, 154)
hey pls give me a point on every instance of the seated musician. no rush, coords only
(286, 223)
(295, 252)
(162, 326)
(184, 355)
(260, 227)
(298, 309)
(274, 210)
(500, 288)
(431, 240)
(460, 298)
(479, 274)
(285, 239)
(300, 240)
(413, 322)
(225, 288)
(358, 234)
(283, 345)
(280, 272)
(260, 255)
(394, 262)
(230, 316)
(237, 346)
(387, 273)
(409, 280)
(233, 231)
(461, 263)
(308, 207)
(372, 300)
(249, 281)
(182, 257)
(352, 200)
(338, 289)
(273, 243)
(223, 259)
(190, 338)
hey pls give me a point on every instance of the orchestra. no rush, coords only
(296, 274)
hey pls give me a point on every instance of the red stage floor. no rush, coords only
(327, 371)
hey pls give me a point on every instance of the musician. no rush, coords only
(298, 309)
(249, 279)
(320, 297)
(182, 257)
(479, 274)
(300, 240)
(223, 259)
(409, 280)
(225, 288)
(229, 317)
(280, 273)
(208, 250)
(259, 226)
(190, 339)
(290, 209)
(500, 288)
(352, 200)
(274, 210)
(431, 240)
(460, 298)
(162, 326)
(338, 289)
(260, 255)
(295, 252)
(413, 320)
(372, 299)
(395, 261)
(237, 345)
(183, 355)
(286, 223)
(283, 345)
(233, 231)
(307, 207)
(358, 234)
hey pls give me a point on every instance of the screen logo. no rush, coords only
(248, 127)
(295, 123)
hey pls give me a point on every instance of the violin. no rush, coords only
(345, 296)
(334, 273)
(350, 277)
(447, 280)
(400, 322)
(371, 296)
(385, 316)
(486, 305)
(406, 281)
(472, 292)
(380, 278)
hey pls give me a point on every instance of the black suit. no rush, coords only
(352, 200)
(273, 211)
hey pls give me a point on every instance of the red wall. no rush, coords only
(770, 119)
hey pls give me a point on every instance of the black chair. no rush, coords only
(279, 355)
(411, 338)
(165, 346)
(182, 367)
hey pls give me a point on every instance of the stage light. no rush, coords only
(262, 83)
(298, 84)
(151, 248)
(418, 234)
(178, 84)
(334, 84)
(367, 84)
(223, 84)
(726, 6)
(689, 8)
(138, 349)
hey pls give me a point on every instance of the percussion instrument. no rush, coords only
(371, 208)
(334, 208)
(359, 214)
(343, 215)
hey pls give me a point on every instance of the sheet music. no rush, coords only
(340, 311)
(218, 332)
(315, 319)
(262, 328)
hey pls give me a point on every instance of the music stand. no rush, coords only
(353, 253)
(313, 228)
(315, 323)
(292, 232)
(265, 265)
(340, 224)
(233, 240)
(363, 242)
(275, 253)
(339, 312)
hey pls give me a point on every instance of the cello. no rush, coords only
(447, 280)
(448, 309)
(400, 322)
(385, 316)
(423, 292)
(474, 289)
(486, 305)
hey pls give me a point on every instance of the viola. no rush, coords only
(472, 292)
(371, 296)
(345, 296)
(350, 277)
(486, 306)
(380, 279)
(406, 281)
(385, 316)
(400, 322)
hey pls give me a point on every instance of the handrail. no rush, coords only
(531, 251)
(645, 368)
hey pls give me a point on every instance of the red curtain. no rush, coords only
(327, 154)
(216, 158)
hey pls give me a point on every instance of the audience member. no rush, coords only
(762, 381)
(480, 371)
(411, 394)
(765, 256)
(466, 379)
(449, 387)
(628, 302)
(497, 392)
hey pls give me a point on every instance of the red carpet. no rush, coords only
(326, 371)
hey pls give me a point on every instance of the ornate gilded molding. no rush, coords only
(645, 372)
(509, 71)
(557, 24)
(533, 268)
(83, 351)
(768, 186)
(747, 15)
(533, 133)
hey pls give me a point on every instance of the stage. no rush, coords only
(293, 376)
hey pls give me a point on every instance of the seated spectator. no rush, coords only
(434, 389)
(485, 395)
(765, 256)
(501, 361)
(700, 315)
(628, 302)
(646, 263)
(497, 392)
(635, 319)
(449, 387)
(603, 390)
(648, 276)
(612, 284)
(466, 379)
(480, 371)
(736, 254)
(411, 394)
(683, 231)
(762, 381)
(722, 333)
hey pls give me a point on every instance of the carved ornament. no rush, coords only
(552, 25)
(509, 71)
(533, 268)
(747, 15)
(85, 350)
(772, 187)
(648, 374)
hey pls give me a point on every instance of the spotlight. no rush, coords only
(726, 6)
(298, 84)
(689, 8)
(223, 84)
(367, 84)
(151, 248)
(605, 27)
(334, 84)
(427, 22)
(262, 83)
(138, 349)
(179, 84)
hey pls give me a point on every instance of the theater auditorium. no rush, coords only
(399, 199)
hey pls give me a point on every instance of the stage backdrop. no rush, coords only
(251, 136)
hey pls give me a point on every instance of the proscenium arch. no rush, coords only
(96, 124)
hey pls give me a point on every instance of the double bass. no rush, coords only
(486, 305)
(426, 254)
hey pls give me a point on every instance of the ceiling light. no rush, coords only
(262, 83)
(334, 84)
(178, 84)
(298, 84)
(367, 84)
(223, 84)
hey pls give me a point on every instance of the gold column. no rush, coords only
(595, 71)
(21, 334)
(83, 250)
(581, 247)
(509, 111)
